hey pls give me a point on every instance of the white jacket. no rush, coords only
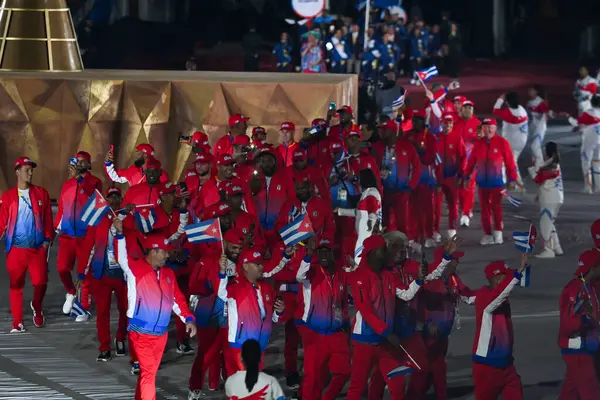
(538, 108)
(588, 122)
(266, 388)
(550, 183)
(514, 126)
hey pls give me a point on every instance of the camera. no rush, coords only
(185, 139)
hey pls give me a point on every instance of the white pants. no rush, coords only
(590, 158)
(537, 147)
(517, 146)
(548, 213)
(583, 106)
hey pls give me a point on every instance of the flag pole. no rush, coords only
(102, 197)
(367, 18)
(221, 234)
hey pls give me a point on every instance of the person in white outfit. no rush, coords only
(550, 197)
(514, 125)
(585, 88)
(250, 383)
(588, 123)
(539, 112)
(368, 212)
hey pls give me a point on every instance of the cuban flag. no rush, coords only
(400, 100)
(525, 241)
(145, 218)
(78, 310)
(296, 231)
(440, 95)
(205, 231)
(294, 213)
(512, 200)
(428, 73)
(95, 209)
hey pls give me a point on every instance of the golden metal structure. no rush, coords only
(38, 35)
(49, 116)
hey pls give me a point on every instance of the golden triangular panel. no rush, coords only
(248, 99)
(162, 110)
(312, 101)
(14, 137)
(12, 105)
(73, 103)
(105, 100)
(191, 103)
(280, 109)
(145, 96)
(81, 91)
(218, 111)
(37, 96)
(131, 135)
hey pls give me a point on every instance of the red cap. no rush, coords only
(373, 242)
(234, 188)
(335, 145)
(258, 130)
(200, 138)
(153, 163)
(419, 113)
(326, 242)
(145, 148)
(241, 140)
(236, 119)
(235, 236)
(225, 159)
(319, 122)
(251, 256)
(84, 154)
(347, 109)
(299, 155)
(489, 121)
(266, 149)
(459, 98)
(467, 103)
(157, 241)
(287, 126)
(447, 117)
(595, 230)
(203, 158)
(353, 131)
(496, 268)
(216, 210)
(24, 161)
(166, 188)
(113, 190)
(587, 260)
(389, 124)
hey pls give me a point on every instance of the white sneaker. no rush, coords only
(498, 239)
(413, 81)
(559, 251)
(465, 220)
(196, 395)
(546, 253)
(486, 240)
(416, 247)
(69, 299)
(82, 318)
(587, 189)
(429, 243)
(451, 233)
(19, 329)
(437, 237)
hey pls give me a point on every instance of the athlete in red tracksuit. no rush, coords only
(466, 124)
(146, 192)
(316, 143)
(247, 223)
(488, 157)
(195, 178)
(579, 330)
(452, 156)
(340, 131)
(199, 143)
(238, 124)
(422, 198)
(153, 293)
(134, 174)
(300, 170)
(105, 277)
(74, 195)
(400, 172)
(324, 317)
(26, 224)
(209, 311)
(494, 374)
(286, 149)
(219, 210)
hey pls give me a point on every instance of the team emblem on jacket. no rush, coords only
(278, 187)
(314, 214)
(245, 230)
(169, 281)
(81, 191)
(495, 150)
(470, 130)
(267, 297)
(403, 152)
(39, 203)
(450, 146)
(341, 287)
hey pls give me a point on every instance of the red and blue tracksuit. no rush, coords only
(268, 202)
(224, 145)
(324, 297)
(468, 131)
(402, 162)
(494, 374)
(74, 195)
(578, 340)
(143, 193)
(26, 225)
(452, 161)
(248, 223)
(131, 175)
(488, 158)
(285, 153)
(422, 198)
(318, 151)
(153, 295)
(316, 176)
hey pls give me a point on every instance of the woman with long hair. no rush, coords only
(251, 383)
(538, 109)
(550, 197)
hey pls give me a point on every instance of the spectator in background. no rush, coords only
(283, 52)
(454, 52)
(191, 64)
(418, 52)
(354, 42)
(251, 43)
(389, 92)
(435, 45)
(339, 52)
(312, 54)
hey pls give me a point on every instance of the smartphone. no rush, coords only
(183, 187)
(73, 161)
(332, 105)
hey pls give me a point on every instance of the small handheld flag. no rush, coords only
(400, 100)
(526, 277)
(78, 310)
(145, 218)
(205, 231)
(294, 213)
(525, 241)
(426, 74)
(95, 209)
(512, 200)
(296, 231)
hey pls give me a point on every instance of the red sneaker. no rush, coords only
(38, 317)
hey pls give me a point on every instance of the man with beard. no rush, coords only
(209, 311)
(301, 170)
(339, 131)
(243, 157)
(146, 192)
(134, 174)
(74, 195)
(238, 124)
(196, 178)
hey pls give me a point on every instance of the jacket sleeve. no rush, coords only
(282, 218)
(323, 187)
(123, 257)
(180, 305)
(275, 266)
(48, 224)
(415, 167)
(59, 213)
(86, 250)
(500, 293)
(467, 295)
(3, 215)
(362, 302)
(304, 271)
(461, 157)
(407, 292)
(505, 115)
(115, 175)
(198, 284)
(471, 163)
(571, 314)
(509, 162)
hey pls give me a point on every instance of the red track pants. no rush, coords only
(345, 236)
(436, 373)
(324, 355)
(421, 203)
(184, 286)
(212, 341)
(233, 360)
(18, 262)
(149, 350)
(467, 197)
(395, 210)
(490, 201)
(102, 290)
(581, 382)
(449, 190)
(491, 383)
(69, 249)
